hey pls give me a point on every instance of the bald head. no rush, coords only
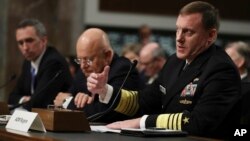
(151, 59)
(94, 38)
(148, 49)
(239, 52)
(93, 46)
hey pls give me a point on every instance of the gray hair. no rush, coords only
(39, 27)
(159, 52)
(243, 49)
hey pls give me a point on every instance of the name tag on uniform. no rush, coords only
(162, 89)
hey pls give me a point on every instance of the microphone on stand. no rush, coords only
(101, 114)
(46, 86)
(12, 77)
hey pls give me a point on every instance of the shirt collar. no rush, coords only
(35, 64)
(243, 75)
(152, 79)
(187, 62)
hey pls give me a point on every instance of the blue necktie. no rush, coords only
(33, 76)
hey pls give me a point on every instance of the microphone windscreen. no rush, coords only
(134, 63)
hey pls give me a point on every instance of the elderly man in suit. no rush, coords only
(94, 52)
(240, 54)
(44, 73)
(151, 59)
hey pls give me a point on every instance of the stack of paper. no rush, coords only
(139, 132)
(103, 128)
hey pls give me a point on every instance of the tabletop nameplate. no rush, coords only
(23, 121)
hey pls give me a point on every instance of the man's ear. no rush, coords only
(108, 55)
(156, 59)
(212, 35)
(44, 40)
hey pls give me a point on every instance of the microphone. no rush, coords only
(42, 89)
(12, 77)
(101, 114)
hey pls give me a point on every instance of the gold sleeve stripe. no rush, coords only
(175, 121)
(134, 105)
(124, 103)
(179, 121)
(162, 121)
(130, 101)
(169, 121)
(128, 104)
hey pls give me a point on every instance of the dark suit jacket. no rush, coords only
(119, 68)
(245, 100)
(52, 77)
(207, 92)
(246, 79)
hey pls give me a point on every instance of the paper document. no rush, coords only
(157, 132)
(4, 119)
(103, 128)
(139, 132)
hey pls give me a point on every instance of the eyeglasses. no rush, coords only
(85, 61)
(148, 63)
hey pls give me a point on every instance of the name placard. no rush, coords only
(23, 121)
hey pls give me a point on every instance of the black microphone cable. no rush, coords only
(100, 114)
(43, 88)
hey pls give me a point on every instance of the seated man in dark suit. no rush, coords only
(152, 59)
(44, 72)
(93, 53)
(240, 54)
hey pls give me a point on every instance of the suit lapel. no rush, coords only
(112, 71)
(174, 74)
(188, 75)
(42, 65)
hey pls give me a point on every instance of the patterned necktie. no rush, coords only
(33, 76)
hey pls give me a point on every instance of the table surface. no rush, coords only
(92, 136)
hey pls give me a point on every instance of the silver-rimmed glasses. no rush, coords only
(85, 61)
